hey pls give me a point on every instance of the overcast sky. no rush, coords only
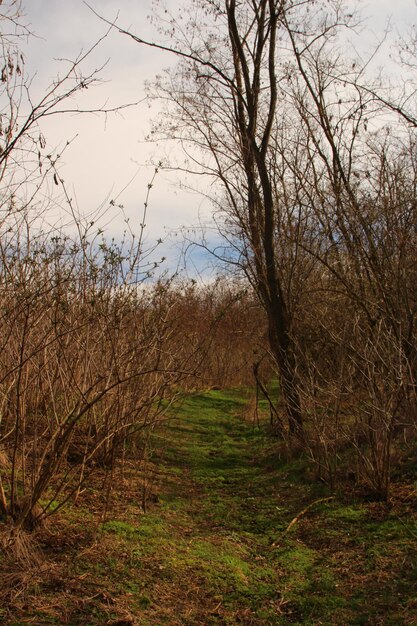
(108, 153)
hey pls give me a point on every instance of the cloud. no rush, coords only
(107, 151)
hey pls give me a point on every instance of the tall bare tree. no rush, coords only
(226, 102)
(225, 95)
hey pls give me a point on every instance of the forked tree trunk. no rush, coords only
(254, 142)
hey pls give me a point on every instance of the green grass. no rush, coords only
(214, 549)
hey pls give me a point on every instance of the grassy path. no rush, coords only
(225, 514)
(212, 549)
(216, 551)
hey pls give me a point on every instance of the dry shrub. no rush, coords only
(22, 565)
(250, 411)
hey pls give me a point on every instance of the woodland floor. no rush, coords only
(212, 548)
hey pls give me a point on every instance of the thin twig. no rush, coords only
(304, 511)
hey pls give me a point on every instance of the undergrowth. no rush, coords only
(213, 547)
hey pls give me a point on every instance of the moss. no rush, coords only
(118, 527)
(348, 514)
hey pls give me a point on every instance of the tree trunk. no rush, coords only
(283, 352)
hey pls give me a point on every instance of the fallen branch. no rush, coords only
(304, 511)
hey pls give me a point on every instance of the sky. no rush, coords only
(108, 150)
(108, 158)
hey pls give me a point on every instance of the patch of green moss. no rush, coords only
(348, 514)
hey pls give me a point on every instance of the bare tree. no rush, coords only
(350, 172)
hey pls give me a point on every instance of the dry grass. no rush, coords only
(23, 567)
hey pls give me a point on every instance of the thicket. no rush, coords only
(93, 349)
(90, 363)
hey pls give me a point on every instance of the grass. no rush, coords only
(213, 548)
